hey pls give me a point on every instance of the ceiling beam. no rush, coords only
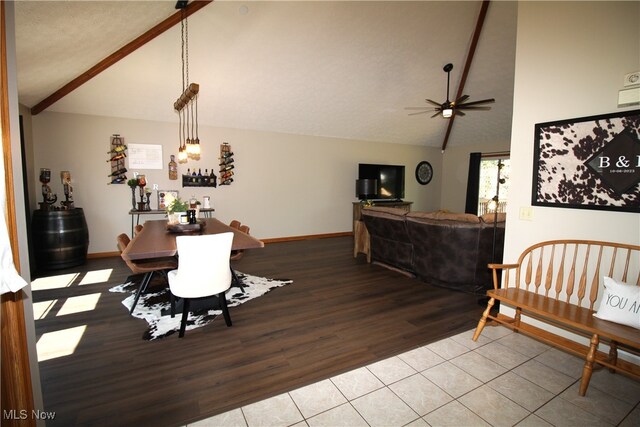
(116, 56)
(467, 65)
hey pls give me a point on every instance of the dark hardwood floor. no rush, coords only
(340, 313)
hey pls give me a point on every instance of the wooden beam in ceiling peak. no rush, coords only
(467, 65)
(116, 56)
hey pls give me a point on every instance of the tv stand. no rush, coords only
(360, 233)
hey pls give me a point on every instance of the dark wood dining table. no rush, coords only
(155, 241)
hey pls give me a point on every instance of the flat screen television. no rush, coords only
(390, 180)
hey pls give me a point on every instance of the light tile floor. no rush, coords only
(504, 379)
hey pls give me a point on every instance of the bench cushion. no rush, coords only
(578, 318)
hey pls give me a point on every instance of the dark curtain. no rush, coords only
(473, 183)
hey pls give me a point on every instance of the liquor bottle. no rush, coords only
(226, 168)
(193, 173)
(173, 168)
(118, 180)
(226, 161)
(188, 171)
(199, 172)
(227, 181)
(117, 157)
(117, 149)
(118, 172)
(226, 154)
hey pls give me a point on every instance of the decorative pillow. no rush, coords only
(620, 303)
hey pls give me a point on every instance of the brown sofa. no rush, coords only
(443, 249)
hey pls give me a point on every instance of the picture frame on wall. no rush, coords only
(162, 198)
(588, 163)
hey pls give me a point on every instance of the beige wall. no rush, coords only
(570, 61)
(285, 185)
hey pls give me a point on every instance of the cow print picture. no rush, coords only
(589, 163)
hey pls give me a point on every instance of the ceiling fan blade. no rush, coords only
(482, 101)
(436, 114)
(418, 108)
(433, 102)
(420, 112)
(461, 99)
(459, 113)
(473, 108)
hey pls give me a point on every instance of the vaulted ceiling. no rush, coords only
(338, 69)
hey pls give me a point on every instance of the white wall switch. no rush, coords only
(526, 213)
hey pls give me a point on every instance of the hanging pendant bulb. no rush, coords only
(196, 141)
(189, 133)
(182, 152)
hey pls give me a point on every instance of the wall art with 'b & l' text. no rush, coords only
(588, 163)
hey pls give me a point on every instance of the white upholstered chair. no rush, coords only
(203, 271)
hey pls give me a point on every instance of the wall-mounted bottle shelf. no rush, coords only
(117, 155)
(199, 179)
(226, 164)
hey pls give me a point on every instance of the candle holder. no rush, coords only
(142, 182)
(147, 205)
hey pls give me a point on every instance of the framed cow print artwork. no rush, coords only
(588, 163)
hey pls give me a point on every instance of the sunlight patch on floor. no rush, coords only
(79, 304)
(96, 276)
(42, 308)
(59, 343)
(54, 282)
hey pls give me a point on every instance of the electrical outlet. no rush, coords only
(155, 187)
(526, 213)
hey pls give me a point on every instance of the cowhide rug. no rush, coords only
(154, 307)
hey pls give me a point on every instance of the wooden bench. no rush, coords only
(558, 282)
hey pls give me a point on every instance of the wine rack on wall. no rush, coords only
(117, 155)
(226, 164)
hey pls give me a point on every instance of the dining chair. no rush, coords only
(235, 224)
(203, 271)
(137, 229)
(236, 255)
(147, 267)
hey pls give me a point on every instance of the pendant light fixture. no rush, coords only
(189, 147)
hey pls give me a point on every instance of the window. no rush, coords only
(488, 187)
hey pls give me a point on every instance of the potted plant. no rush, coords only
(175, 208)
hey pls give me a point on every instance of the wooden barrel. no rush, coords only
(60, 238)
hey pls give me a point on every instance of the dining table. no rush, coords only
(157, 240)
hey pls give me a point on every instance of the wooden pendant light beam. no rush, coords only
(116, 56)
(467, 65)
